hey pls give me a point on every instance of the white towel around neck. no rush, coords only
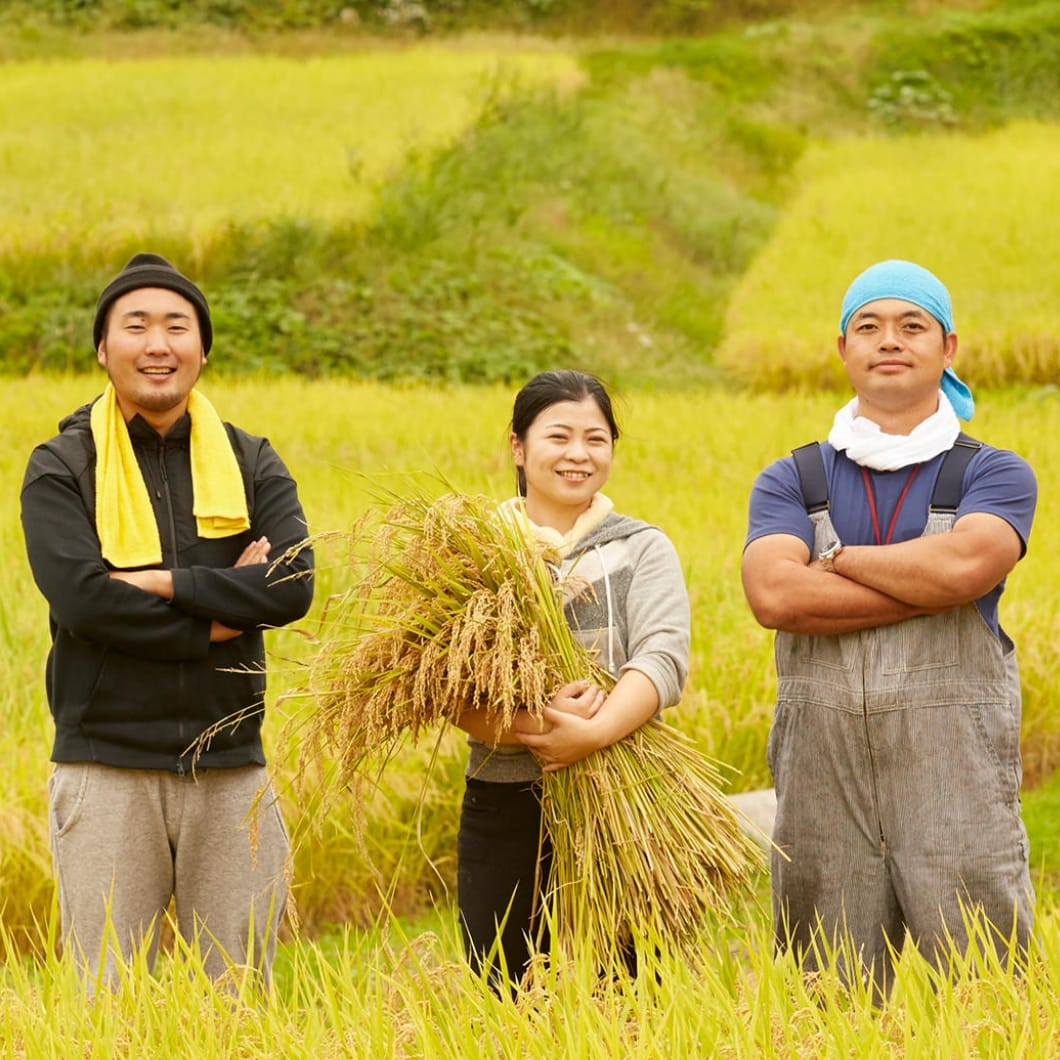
(865, 444)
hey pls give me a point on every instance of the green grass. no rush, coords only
(1041, 814)
(484, 232)
(605, 228)
(397, 991)
(42, 22)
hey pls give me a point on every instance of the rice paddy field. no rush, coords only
(163, 147)
(970, 209)
(373, 971)
(98, 154)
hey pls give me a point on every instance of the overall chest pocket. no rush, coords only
(798, 654)
(928, 642)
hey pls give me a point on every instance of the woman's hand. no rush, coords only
(560, 738)
(581, 719)
(565, 732)
(579, 697)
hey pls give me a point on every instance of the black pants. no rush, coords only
(502, 870)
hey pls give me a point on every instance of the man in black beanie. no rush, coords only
(149, 524)
(150, 270)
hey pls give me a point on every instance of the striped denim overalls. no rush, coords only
(895, 755)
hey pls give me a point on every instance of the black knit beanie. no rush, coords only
(150, 270)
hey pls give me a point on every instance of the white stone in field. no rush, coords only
(756, 811)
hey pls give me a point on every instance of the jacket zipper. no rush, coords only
(173, 556)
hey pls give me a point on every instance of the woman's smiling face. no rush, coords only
(566, 458)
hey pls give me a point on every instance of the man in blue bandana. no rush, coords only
(880, 557)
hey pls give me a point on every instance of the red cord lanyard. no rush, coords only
(897, 508)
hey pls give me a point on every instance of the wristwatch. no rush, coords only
(827, 557)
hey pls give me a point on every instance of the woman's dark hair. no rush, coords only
(549, 388)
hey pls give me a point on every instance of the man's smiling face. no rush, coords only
(152, 351)
(895, 353)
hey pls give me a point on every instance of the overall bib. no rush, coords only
(895, 755)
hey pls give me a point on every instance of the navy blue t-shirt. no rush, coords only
(996, 481)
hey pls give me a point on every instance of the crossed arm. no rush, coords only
(160, 582)
(876, 585)
(156, 614)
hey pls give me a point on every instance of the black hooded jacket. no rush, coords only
(134, 680)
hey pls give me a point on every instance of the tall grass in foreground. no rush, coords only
(685, 462)
(386, 992)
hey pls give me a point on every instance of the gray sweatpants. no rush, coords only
(124, 841)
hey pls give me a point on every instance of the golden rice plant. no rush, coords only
(645, 845)
(860, 201)
(455, 608)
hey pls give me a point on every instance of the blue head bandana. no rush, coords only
(910, 283)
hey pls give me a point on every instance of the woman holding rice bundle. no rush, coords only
(625, 600)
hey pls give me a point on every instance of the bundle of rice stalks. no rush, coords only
(645, 845)
(457, 609)
(450, 612)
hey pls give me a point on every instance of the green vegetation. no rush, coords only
(389, 992)
(411, 16)
(643, 208)
(273, 140)
(605, 227)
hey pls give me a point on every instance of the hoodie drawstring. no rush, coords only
(610, 611)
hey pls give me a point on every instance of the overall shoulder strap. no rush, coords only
(812, 478)
(946, 497)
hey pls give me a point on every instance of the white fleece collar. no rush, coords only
(865, 444)
(561, 544)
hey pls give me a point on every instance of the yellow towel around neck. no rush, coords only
(125, 520)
